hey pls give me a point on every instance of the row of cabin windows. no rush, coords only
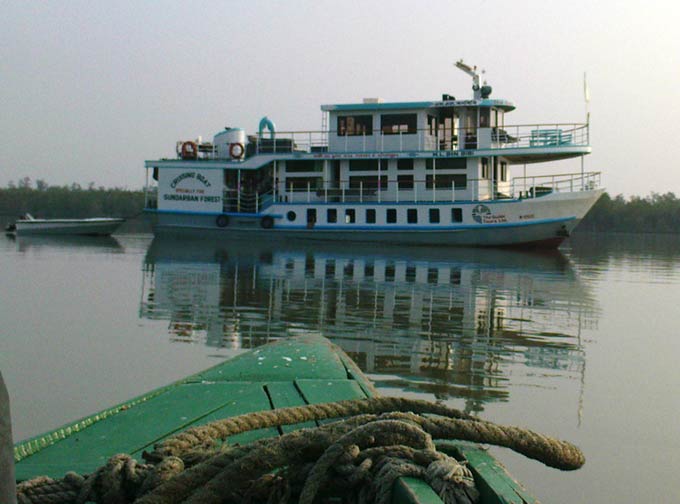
(390, 124)
(434, 216)
(371, 182)
(407, 164)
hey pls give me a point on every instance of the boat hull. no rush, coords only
(292, 372)
(538, 222)
(91, 227)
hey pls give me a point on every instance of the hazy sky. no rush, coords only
(89, 90)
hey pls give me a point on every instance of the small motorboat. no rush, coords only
(98, 226)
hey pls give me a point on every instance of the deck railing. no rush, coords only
(534, 186)
(416, 191)
(423, 191)
(533, 136)
(425, 140)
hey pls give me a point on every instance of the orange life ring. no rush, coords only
(236, 150)
(189, 150)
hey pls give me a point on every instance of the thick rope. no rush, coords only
(207, 435)
(359, 457)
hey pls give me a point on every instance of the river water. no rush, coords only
(581, 343)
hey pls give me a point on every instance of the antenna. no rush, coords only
(472, 72)
(586, 97)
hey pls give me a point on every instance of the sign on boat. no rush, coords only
(440, 172)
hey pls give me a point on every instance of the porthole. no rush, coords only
(291, 216)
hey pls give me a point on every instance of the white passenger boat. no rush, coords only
(99, 226)
(430, 172)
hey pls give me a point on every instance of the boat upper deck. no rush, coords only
(373, 128)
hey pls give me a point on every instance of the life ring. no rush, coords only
(267, 222)
(236, 150)
(189, 150)
(222, 221)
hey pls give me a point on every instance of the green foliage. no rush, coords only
(68, 201)
(656, 213)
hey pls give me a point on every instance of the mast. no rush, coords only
(472, 72)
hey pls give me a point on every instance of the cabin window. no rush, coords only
(370, 216)
(456, 215)
(485, 168)
(302, 183)
(446, 164)
(434, 215)
(368, 182)
(291, 216)
(331, 215)
(444, 181)
(391, 216)
(366, 165)
(350, 216)
(484, 117)
(390, 272)
(404, 164)
(504, 171)
(311, 215)
(355, 125)
(395, 124)
(405, 181)
(412, 216)
(303, 165)
(432, 125)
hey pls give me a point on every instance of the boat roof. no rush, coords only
(379, 106)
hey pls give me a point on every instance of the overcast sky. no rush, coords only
(89, 90)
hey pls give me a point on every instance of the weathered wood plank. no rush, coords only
(139, 427)
(495, 484)
(286, 395)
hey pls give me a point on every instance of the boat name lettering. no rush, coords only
(198, 176)
(482, 214)
(526, 216)
(191, 197)
(458, 103)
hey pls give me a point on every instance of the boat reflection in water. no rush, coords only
(93, 244)
(453, 322)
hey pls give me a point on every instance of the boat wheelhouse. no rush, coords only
(434, 172)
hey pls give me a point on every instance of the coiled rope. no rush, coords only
(359, 457)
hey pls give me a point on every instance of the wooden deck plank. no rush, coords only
(286, 395)
(139, 427)
(285, 360)
(321, 391)
(495, 484)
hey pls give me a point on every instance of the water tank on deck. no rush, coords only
(226, 140)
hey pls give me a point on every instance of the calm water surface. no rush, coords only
(580, 344)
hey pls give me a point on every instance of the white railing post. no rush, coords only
(309, 194)
(415, 191)
(290, 190)
(342, 186)
(453, 191)
(361, 191)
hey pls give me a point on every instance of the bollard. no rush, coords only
(8, 492)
